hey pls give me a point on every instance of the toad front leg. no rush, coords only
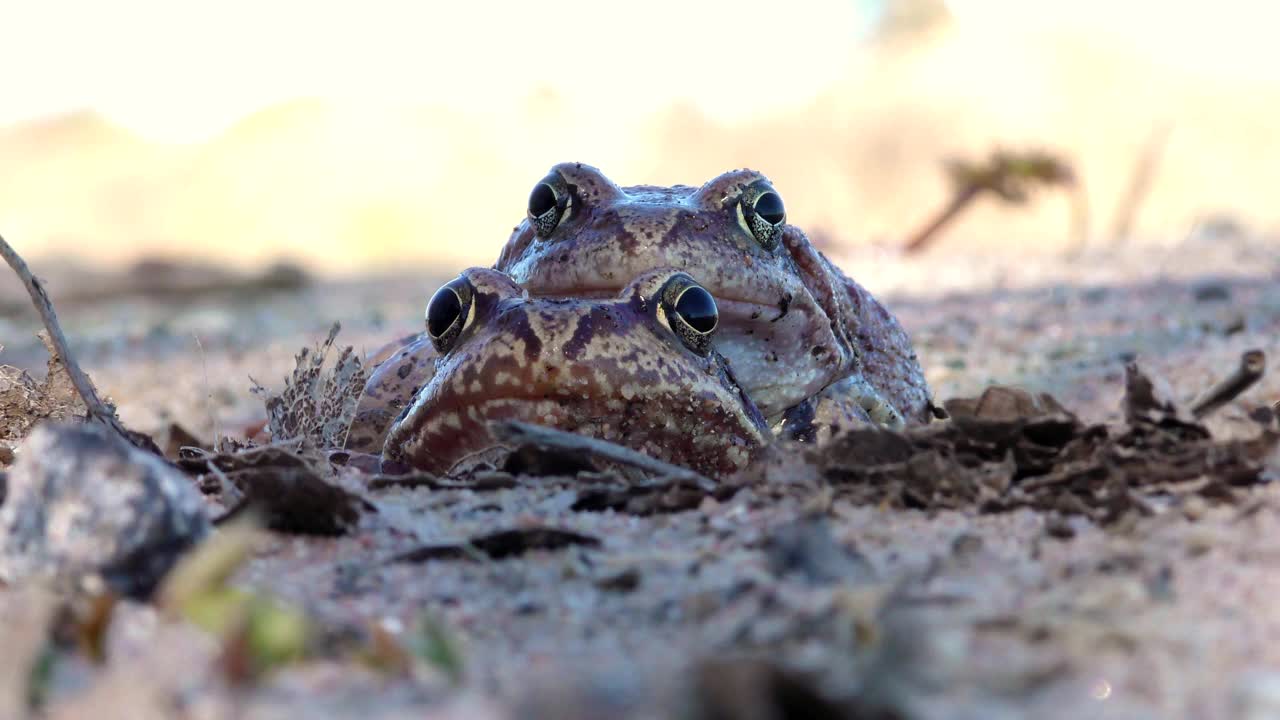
(849, 403)
(400, 369)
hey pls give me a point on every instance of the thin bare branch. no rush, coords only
(516, 432)
(925, 236)
(1145, 170)
(97, 409)
(1253, 364)
(1079, 230)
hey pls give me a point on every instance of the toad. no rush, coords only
(638, 369)
(809, 345)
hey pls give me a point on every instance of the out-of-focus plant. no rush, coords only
(1010, 177)
(257, 633)
(1145, 169)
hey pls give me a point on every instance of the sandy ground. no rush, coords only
(930, 614)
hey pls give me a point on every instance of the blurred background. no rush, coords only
(207, 187)
(354, 139)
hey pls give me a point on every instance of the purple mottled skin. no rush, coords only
(810, 346)
(614, 369)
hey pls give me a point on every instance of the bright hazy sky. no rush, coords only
(181, 70)
(853, 130)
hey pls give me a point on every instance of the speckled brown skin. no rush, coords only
(607, 368)
(831, 328)
(794, 328)
(887, 370)
(400, 369)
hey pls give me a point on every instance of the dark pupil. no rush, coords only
(542, 199)
(698, 308)
(769, 207)
(442, 311)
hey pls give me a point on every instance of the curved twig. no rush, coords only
(516, 432)
(96, 408)
(1253, 364)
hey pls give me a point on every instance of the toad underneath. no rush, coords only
(638, 369)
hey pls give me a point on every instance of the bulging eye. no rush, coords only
(763, 213)
(448, 312)
(769, 206)
(690, 312)
(443, 311)
(696, 307)
(548, 204)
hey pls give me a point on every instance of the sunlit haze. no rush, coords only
(386, 134)
(182, 71)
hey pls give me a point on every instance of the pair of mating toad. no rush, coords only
(691, 324)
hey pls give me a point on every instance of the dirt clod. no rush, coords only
(500, 545)
(81, 501)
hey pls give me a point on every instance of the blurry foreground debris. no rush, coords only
(95, 408)
(1009, 449)
(24, 401)
(82, 501)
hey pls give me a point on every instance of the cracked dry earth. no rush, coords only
(802, 594)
